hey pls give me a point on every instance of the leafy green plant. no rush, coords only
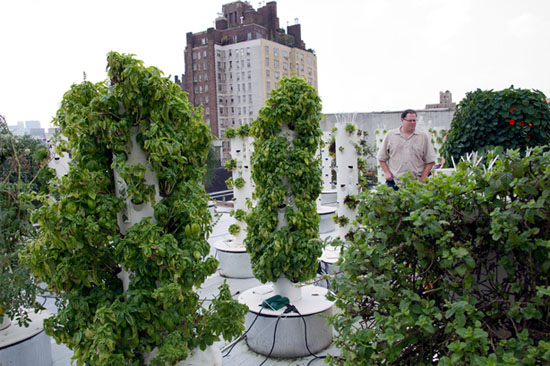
(510, 118)
(229, 183)
(81, 249)
(243, 130)
(341, 149)
(350, 128)
(22, 172)
(234, 229)
(452, 272)
(288, 180)
(230, 164)
(240, 214)
(230, 133)
(239, 182)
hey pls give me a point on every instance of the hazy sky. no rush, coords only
(373, 55)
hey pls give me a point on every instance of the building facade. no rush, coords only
(230, 70)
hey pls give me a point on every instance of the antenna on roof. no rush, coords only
(296, 21)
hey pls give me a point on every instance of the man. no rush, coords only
(406, 150)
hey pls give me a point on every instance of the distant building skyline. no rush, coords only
(231, 69)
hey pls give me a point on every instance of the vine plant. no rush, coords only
(80, 248)
(288, 178)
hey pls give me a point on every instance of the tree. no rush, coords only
(22, 162)
(510, 118)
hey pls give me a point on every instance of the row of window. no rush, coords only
(197, 55)
(199, 77)
(231, 100)
(229, 76)
(198, 66)
(199, 89)
(285, 54)
(237, 52)
(240, 111)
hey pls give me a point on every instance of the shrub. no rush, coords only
(452, 272)
(510, 118)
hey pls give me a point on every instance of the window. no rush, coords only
(239, 87)
(249, 86)
(275, 52)
(205, 65)
(219, 76)
(205, 77)
(204, 41)
(239, 110)
(221, 110)
(206, 99)
(243, 87)
(268, 86)
(194, 56)
(249, 36)
(244, 110)
(249, 75)
(204, 54)
(277, 75)
(208, 121)
(195, 78)
(267, 73)
(200, 77)
(267, 61)
(249, 98)
(275, 64)
(238, 98)
(309, 60)
(235, 38)
(285, 66)
(285, 54)
(248, 62)
(229, 54)
(242, 63)
(309, 71)
(200, 89)
(248, 51)
(196, 89)
(199, 55)
(206, 88)
(207, 111)
(194, 67)
(230, 65)
(267, 50)
(199, 66)
(310, 81)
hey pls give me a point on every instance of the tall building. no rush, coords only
(445, 101)
(231, 69)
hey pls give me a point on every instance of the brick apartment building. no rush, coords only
(231, 69)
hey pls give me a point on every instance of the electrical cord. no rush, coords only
(232, 345)
(274, 337)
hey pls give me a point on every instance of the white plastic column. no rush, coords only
(347, 176)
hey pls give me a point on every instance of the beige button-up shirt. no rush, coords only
(405, 155)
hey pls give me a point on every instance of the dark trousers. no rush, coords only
(391, 183)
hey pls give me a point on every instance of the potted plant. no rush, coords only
(81, 248)
(283, 227)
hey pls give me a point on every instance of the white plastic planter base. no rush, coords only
(326, 223)
(5, 322)
(329, 197)
(233, 258)
(327, 263)
(26, 345)
(290, 338)
(211, 356)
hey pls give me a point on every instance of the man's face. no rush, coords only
(409, 122)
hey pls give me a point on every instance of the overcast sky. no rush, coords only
(373, 55)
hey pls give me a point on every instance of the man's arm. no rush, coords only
(387, 173)
(426, 171)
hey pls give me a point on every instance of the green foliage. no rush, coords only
(350, 128)
(212, 162)
(80, 248)
(230, 164)
(243, 130)
(510, 118)
(288, 178)
(452, 272)
(230, 133)
(234, 229)
(240, 214)
(239, 182)
(22, 173)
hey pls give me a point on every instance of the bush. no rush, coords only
(510, 118)
(452, 272)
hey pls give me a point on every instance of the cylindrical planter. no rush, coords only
(286, 288)
(234, 259)
(326, 223)
(289, 339)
